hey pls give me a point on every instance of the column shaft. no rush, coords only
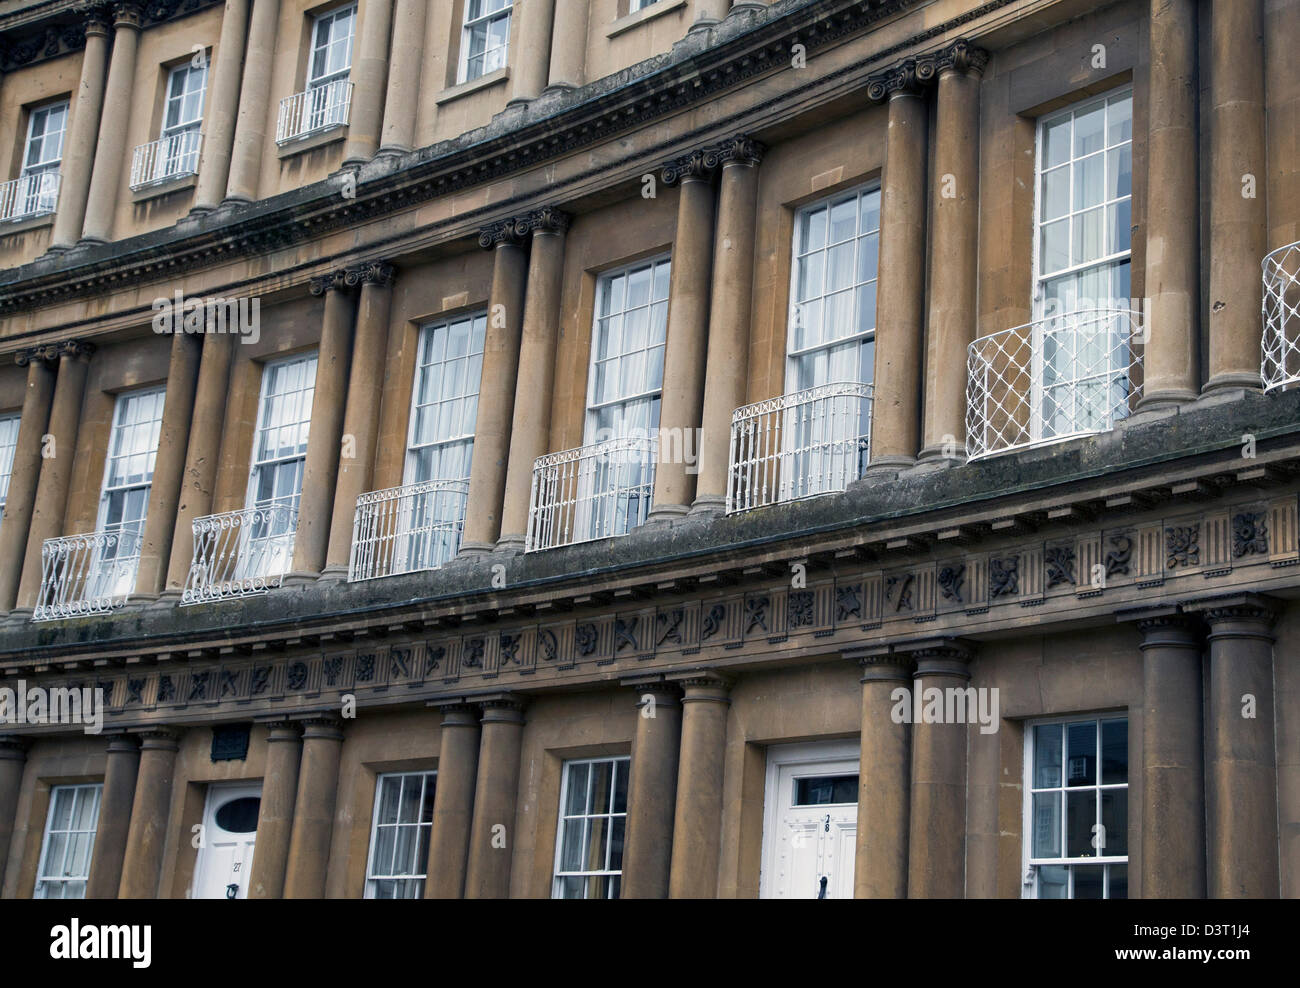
(111, 835)
(25, 473)
(531, 426)
(682, 401)
(487, 478)
(56, 464)
(532, 62)
(13, 759)
(199, 478)
(169, 464)
(223, 106)
(1173, 766)
(728, 346)
(321, 465)
(453, 804)
(83, 133)
(884, 781)
(110, 152)
(402, 101)
(1238, 210)
(697, 821)
(275, 817)
(652, 793)
(370, 78)
(954, 251)
(361, 419)
(150, 812)
(493, 831)
(254, 101)
(1173, 255)
(569, 44)
(900, 310)
(313, 812)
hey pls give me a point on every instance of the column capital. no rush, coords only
(508, 232)
(13, 748)
(908, 78)
(326, 726)
(940, 656)
(159, 739)
(1163, 625)
(502, 708)
(1254, 613)
(128, 14)
(547, 219)
(703, 684)
(456, 713)
(44, 353)
(123, 744)
(881, 663)
(97, 17)
(330, 281)
(694, 165)
(282, 729)
(962, 56)
(378, 273)
(652, 683)
(740, 149)
(74, 348)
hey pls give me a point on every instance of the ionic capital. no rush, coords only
(378, 273)
(548, 219)
(509, 232)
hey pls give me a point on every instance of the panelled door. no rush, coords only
(229, 832)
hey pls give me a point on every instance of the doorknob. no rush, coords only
(232, 891)
(821, 893)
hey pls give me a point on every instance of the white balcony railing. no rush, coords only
(166, 158)
(798, 445)
(29, 196)
(1281, 360)
(592, 492)
(407, 529)
(1066, 375)
(240, 553)
(318, 109)
(87, 574)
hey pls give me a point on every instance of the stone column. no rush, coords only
(954, 250)
(487, 477)
(900, 306)
(200, 475)
(402, 100)
(569, 44)
(169, 465)
(709, 12)
(83, 132)
(223, 107)
(325, 434)
(493, 831)
(1173, 766)
(532, 60)
(26, 468)
(56, 464)
(313, 811)
(1238, 210)
(254, 102)
(1241, 762)
(1169, 363)
(884, 781)
(150, 813)
(729, 318)
(370, 78)
(13, 759)
(530, 431)
(106, 178)
(652, 791)
(936, 866)
(120, 772)
(697, 822)
(682, 402)
(275, 817)
(453, 802)
(361, 418)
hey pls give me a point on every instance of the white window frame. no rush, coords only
(622, 764)
(38, 183)
(45, 881)
(9, 426)
(372, 879)
(425, 369)
(264, 400)
(1031, 863)
(467, 28)
(173, 99)
(326, 23)
(45, 164)
(636, 5)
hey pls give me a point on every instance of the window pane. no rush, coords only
(1114, 818)
(1081, 754)
(1047, 824)
(1047, 756)
(1088, 881)
(1114, 752)
(1080, 819)
(1053, 882)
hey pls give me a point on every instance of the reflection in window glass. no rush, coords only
(593, 820)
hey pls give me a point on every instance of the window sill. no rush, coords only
(474, 85)
(630, 21)
(158, 189)
(300, 145)
(9, 227)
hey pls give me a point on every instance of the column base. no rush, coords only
(469, 550)
(20, 616)
(887, 466)
(168, 598)
(199, 211)
(333, 574)
(393, 151)
(667, 513)
(934, 458)
(510, 545)
(560, 87)
(1166, 398)
(299, 578)
(708, 505)
(1232, 382)
(141, 599)
(703, 24)
(56, 250)
(91, 242)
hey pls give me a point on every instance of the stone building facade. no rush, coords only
(650, 448)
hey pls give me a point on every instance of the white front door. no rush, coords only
(226, 851)
(810, 822)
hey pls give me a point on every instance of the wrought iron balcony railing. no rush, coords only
(592, 492)
(1067, 375)
(29, 196)
(240, 553)
(165, 159)
(798, 445)
(87, 574)
(318, 109)
(407, 529)
(1280, 366)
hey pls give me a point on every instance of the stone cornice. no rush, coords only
(696, 71)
